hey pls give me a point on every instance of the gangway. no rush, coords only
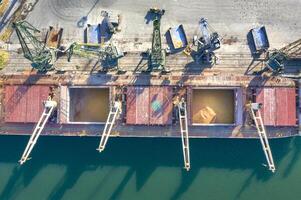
(114, 112)
(184, 133)
(255, 108)
(49, 106)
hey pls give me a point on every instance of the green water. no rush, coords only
(71, 169)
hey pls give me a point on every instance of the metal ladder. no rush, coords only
(262, 135)
(184, 133)
(48, 108)
(115, 110)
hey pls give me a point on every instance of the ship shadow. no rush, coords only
(280, 148)
(142, 156)
(196, 67)
(295, 146)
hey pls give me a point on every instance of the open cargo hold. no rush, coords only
(149, 105)
(24, 103)
(222, 106)
(92, 34)
(279, 106)
(84, 104)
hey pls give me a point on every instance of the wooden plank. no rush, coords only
(167, 105)
(279, 105)
(131, 106)
(8, 102)
(189, 105)
(239, 106)
(156, 96)
(54, 37)
(286, 107)
(33, 107)
(160, 105)
(64, 105)
(44, 93)
(266, 96)
(24, 103)
(260, 99)
(21, 102)
(149, 105)
(299, 113)
(142, 105)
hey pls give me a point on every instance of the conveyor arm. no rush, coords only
(184, 133)
(255, 107)
(48, 109)
(114, 112)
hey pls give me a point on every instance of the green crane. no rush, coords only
(42, 58)
(108, 54)
(156, 59)
(83, 50)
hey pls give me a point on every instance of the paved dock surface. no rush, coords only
(232, 19)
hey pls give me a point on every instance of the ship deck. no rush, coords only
(234, 68)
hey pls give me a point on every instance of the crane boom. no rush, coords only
(157, 56)
(108, 53)
(208, 43)
(156, 59)
(205, 30)
(40, 56)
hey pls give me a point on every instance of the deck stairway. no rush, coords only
(114, 112)
(184, 133)
(49, 106)
(255, 108)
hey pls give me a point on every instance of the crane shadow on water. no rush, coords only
(141, 156)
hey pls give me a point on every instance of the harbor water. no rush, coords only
(143, 168)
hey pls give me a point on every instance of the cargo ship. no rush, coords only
(187, 86)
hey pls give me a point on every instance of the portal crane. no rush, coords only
(42, 58)
(156, 55)
(207, 43)
(109, 54)
(277, 58)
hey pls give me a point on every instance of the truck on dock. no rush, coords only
(92, 34)
(177, 37)
(260, 39)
